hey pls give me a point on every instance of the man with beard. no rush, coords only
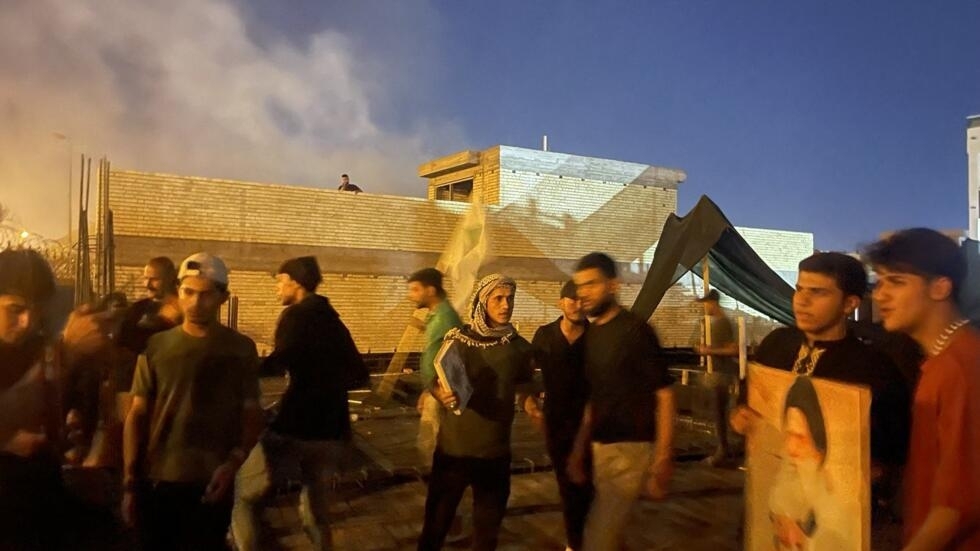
(629, 419)
(828, 290)
(560, 353)
(473, 447)
(425, 291)
(920, 274)
(194, 417)
(156, 312)
(33, 368)
(311, 433)
(804, 512)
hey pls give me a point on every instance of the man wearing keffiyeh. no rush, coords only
(473, 448)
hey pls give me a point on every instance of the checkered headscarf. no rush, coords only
(478, 306)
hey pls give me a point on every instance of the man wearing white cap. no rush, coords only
(193, 419)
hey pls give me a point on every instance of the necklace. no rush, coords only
(942, 341)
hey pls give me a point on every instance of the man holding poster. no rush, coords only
(473, 447)
(829, 288)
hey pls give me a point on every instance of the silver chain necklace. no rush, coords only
(942, 341)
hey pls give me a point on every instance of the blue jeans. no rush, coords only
(273, 463)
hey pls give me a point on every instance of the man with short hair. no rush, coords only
(723, 350)
(920, 273)
(560, 354)
(629, 418)
(829, 288)
(157, 311)
(345, 185)
(425, 291)
(33, 370)
(194, 417)
(473, 446)
(311, 433)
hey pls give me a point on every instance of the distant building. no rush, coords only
(544, 211)
(973, 173)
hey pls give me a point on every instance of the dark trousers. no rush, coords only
(171, 517)
(32, 504)
(575, 498)
(490, 479)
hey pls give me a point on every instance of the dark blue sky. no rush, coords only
(840, 118)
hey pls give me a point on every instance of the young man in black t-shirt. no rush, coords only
(629, 418)
(828, 290)
(559, 351)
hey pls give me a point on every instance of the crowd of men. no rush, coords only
(177, 410)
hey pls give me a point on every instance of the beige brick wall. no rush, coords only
(177, 209)
(540, 226)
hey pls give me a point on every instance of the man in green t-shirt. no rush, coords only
(723, 352)
(194, 417)
(425, 291)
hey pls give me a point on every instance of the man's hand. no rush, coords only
(221, 483)
(744, 420)
(25, 443)
(86, 331)
(658, 480)
(534, 412)
(170, 311)
(446, 397)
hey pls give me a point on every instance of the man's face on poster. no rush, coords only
(800, 447)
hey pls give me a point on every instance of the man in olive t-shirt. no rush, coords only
(723, 351)
(197, 386)
(473, 446)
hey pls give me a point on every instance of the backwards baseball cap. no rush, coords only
(204, 265)
(920, 251)
(303, 270)
(569, 290)
(712, 296)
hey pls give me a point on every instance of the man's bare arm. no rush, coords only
(134, 439)
(937, 531)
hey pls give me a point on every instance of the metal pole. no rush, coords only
(706, 279)
(743, 353)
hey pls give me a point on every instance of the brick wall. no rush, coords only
(367, 243)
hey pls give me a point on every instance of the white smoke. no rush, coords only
(184, 87)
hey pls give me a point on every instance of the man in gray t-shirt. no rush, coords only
(723, 352)
(193, 419)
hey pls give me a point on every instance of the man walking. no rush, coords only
(425, 291)
(920, 273)
(473, 446)
(194, 417)
(312, 431)
(560, 353)
(629, 419)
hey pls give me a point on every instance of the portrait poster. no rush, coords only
(809, 467)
